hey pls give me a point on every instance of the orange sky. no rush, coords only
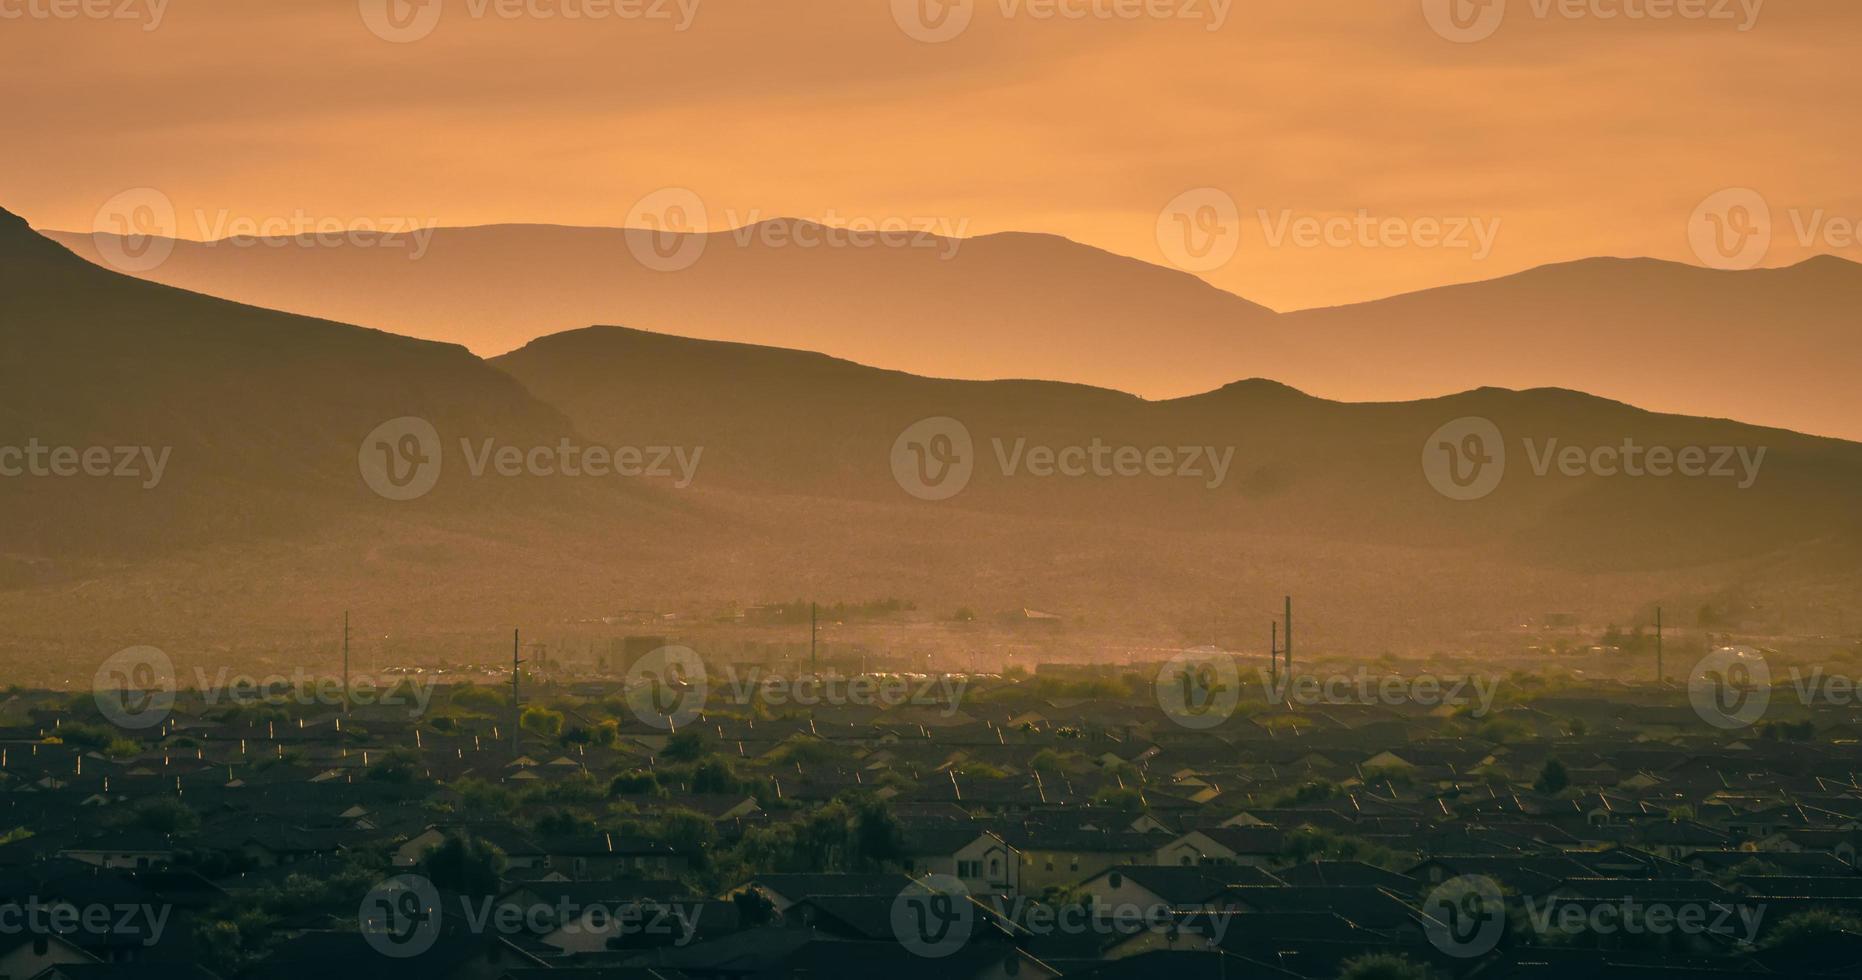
(1563, 136)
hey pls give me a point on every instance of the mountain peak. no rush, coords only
(13, 226)
(20, 242)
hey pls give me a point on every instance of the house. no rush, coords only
(457, 953)
(785, 890)
(133, 849)
(520, 852)
(607, 855)
(981, 859)
(1148, 887)
(1257, 846)
(1052, 857)
(28, 954)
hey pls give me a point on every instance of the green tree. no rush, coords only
(691, 834)
(877, 839)
(466, 865)
(753, 908)
(165, 816)
(1810, 925)
(1552, 778)
(715, 776)
(690, 745)
(1383, 966)
(397, 766)
(542, 721)
(634, 782)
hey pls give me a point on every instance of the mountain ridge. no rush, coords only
(265, 524)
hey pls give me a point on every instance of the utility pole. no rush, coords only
(1660, 678)
(1273, 655)
(516, 711)
(345, 662)
(814, 666)
(1288, 641)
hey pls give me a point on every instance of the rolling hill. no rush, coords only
(265, 527)
(1771, 347)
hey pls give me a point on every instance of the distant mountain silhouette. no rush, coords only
(1768, 346)
(264, 525)
(802, 423)
(263, 413)
(1009, 305)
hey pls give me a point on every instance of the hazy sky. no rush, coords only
(1577, 128)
